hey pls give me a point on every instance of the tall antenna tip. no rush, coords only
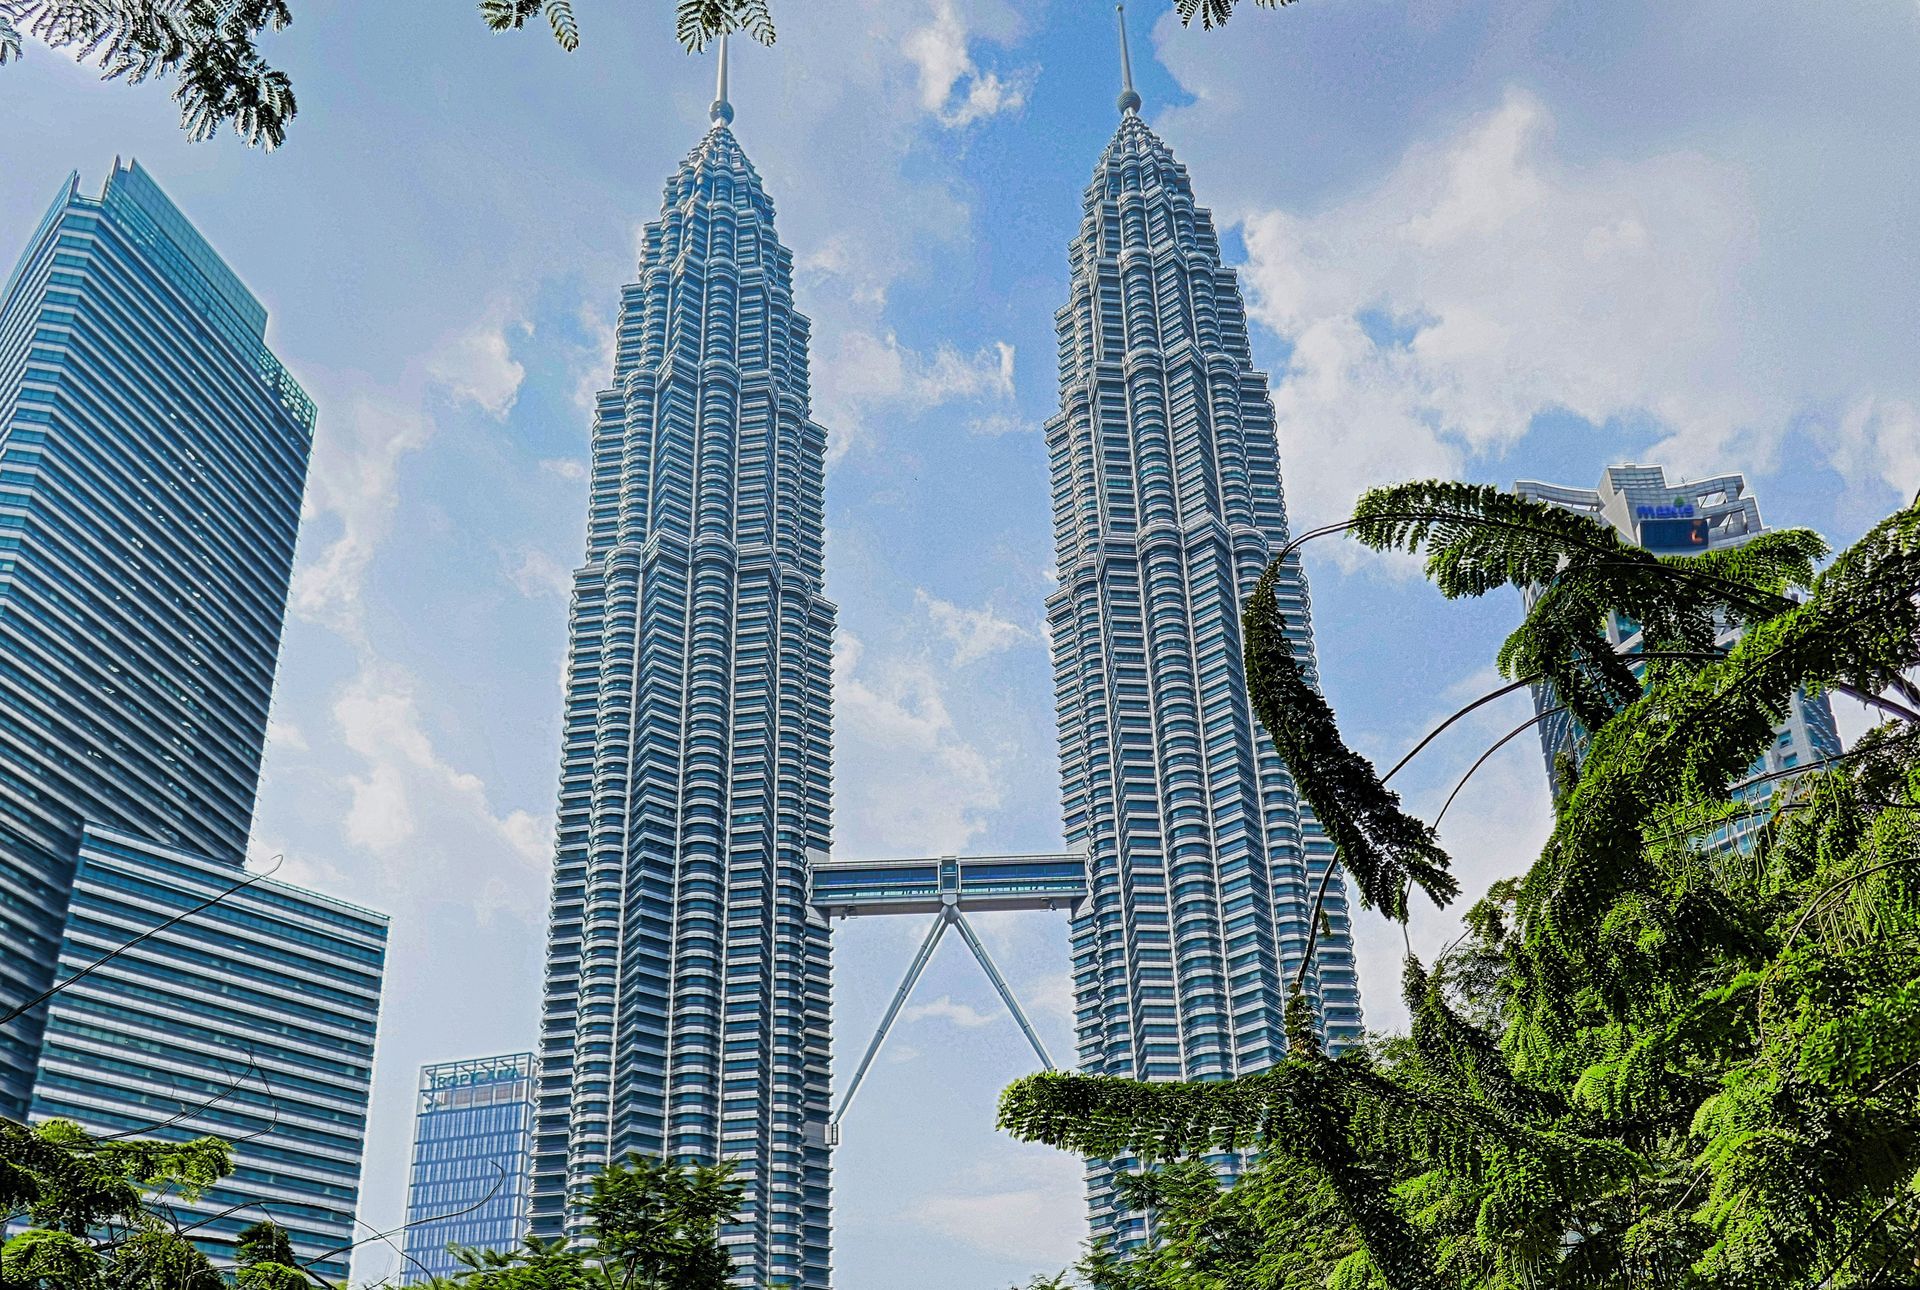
(721, 113)
(1129, 101)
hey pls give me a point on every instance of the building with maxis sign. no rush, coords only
(1679, 518)
(472, 1162)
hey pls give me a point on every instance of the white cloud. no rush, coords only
(403, 771)
(535, 574)
(284, 734)
(354, 481)
(1024, 1204)
(1880, 438)
(595, 361)
(1003, 423)
(974, 633)
(1486, 281)
(947, 1008)
(567, 468)
(869, 375)
(908, 784)
(953, 88)
(477, 366)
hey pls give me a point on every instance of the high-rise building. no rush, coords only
(153, 453)
(152, 457)
(1202, 859)
(472, 1162)
(686, 1007)
(1673, 517)
(250, 1019)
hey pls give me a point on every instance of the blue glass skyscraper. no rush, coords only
(152, 457)
(1202, 859)
(686, 992)
(472, 1162)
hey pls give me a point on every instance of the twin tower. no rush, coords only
(687, 984)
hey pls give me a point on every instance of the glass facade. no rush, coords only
(1680, 518)
(152, 458)
(1201, 857)
(472, 1162)
(251, 1020)
(686, 1000)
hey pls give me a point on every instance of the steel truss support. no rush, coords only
(949, 915)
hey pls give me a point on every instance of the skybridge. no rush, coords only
(949, 888)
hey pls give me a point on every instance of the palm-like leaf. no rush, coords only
(1214, 13)
(1479, 538)
(565, 29)
(1383, 847)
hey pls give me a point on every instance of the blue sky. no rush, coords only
(1492, 239)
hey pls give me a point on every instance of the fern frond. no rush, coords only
(1380, 845)
(508, 15)
(565, 30)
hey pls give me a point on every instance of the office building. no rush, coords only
(686, 1005)
(250, 1019)
(152, 457)
(472, 1162)
(1679, 518)
(1202, 859)
(153, 452)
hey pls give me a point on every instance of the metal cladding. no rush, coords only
(686, 1008)
(152, 457)
(1202, 858)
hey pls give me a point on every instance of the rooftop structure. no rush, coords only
(1678, 517)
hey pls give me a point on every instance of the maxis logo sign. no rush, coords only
(1682, 509)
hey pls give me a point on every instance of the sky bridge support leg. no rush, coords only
(1000, 984)
(918, 966)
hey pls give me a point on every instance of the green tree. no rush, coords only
(89, 1203)
(1277, 1228)
(651, 1225)
(208, 47)
(265, 1260)
(1657, 1058)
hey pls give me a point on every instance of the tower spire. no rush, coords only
(721, 113)
(1129, 101)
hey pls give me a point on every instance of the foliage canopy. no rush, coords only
(94, 1222)
(1666, 1055)
(651, 1225)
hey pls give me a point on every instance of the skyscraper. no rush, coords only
(1679, 518)
(152, 457)
(472, 1161)
(686, 991)
(153, 452)
(1202, 858)
(251, 1019)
